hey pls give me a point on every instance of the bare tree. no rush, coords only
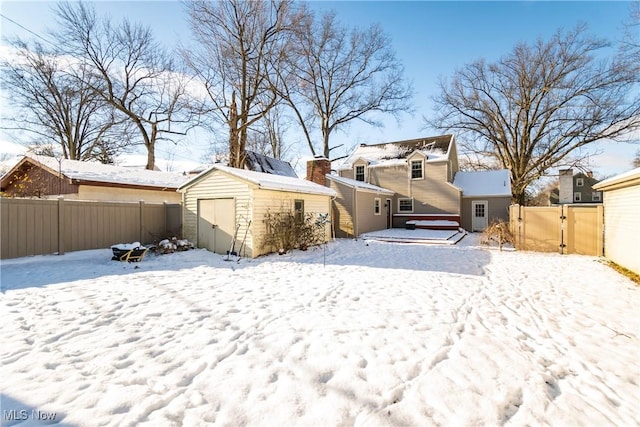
(55, 102)
(636, 160)
(533, 108)
(135, 74)
(267, 136)
(336, 75)
(238, 43)
(630, 43)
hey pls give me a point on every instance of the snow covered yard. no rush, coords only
(384, 334)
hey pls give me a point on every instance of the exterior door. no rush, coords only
(479, 215)
(389, 213)
(216, 224)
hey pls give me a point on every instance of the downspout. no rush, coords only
(355, 213)
(333, 226)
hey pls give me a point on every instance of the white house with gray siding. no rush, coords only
(621, 200)
(223, 201)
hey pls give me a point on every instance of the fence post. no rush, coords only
(61, 228)
(165, 233)
(141, 224)
(563, 230)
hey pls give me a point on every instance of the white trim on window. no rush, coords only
(400, 205)
(377, 206)
(356, 173)
(298, 210)
(579, 182)
(577, 196)
(420, 169)
(596, 197)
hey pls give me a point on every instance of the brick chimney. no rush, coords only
(317, 169)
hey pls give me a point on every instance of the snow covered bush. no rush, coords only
(284, 231)
(498, 232)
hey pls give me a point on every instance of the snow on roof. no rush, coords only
(98, 172)
(359, 184)
(395, 153)
(268, 181)
(484, 183)
(618, 179)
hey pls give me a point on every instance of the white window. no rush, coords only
(298, 208)
(359, 173)
(579, 182)
(405, 205)
(577, 197)
(595, 196)
(376, 206)
(416, 169)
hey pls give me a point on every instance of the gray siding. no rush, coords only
(342, 209)
(367, 220)
(432, 195)
(498, 209)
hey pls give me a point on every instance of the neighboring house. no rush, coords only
(222, 202)
(576, 188)
(485, 194)
(621, 219)
(48, 177)
(417, 176)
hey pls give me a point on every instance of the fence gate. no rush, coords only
(567, 229)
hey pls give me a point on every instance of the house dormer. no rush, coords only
(361, 170)
(415, 163)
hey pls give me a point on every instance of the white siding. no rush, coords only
(216, 185)
(622, 227)
(251, 205)
(264, 200)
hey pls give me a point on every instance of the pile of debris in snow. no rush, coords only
(168, 246)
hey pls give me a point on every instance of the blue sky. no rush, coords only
(430, 38)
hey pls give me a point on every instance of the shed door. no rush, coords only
(479, 215)
(216, 224)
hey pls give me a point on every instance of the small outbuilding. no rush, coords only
(223, 202)
(486, 196)
(621, 200)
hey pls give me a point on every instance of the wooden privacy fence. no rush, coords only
(567, 229)
(39, 227)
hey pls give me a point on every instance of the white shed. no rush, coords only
(622, 219)
(222, 202)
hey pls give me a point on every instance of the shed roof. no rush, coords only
(484, 183)
(622, 179)
(265, 181)
(359, 185)
(93, 172)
